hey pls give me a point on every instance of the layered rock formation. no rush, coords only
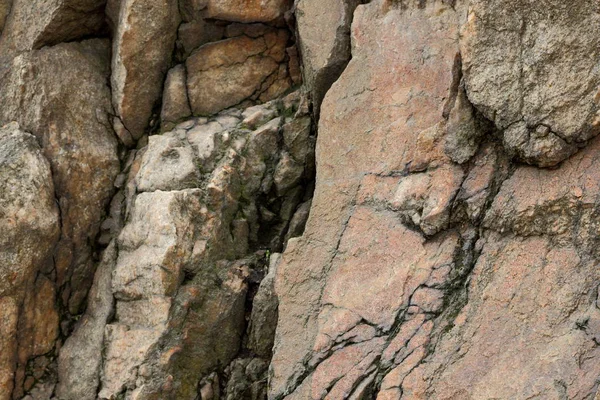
(225, 199)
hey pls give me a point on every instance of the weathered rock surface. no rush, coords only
(30, 227)
(74, 131)
(30, 222)
(495, 295)
(228, 72)
(32, 25)
(195, 33)
(184, 264)
(346, 286)
(531, 68)
(425, 262)
(144, 39)
(324, 39)
(5, 6)
(80, 357)
(176, 104)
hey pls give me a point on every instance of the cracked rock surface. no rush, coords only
(292, 200)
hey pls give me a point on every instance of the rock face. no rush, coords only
(539, 79)
(374, 125)
(374, 299)
(172, 228)
(29, 221)
(73, 128)
(185, 261)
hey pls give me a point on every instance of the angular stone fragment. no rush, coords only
(463, 133)
(535, 64)
(537, 146)
(225, 73)
(142, 47)
(324, 35)
(34, 24)
(247, 10)
(176, 105)
(288, 174)
(298, 222)
(425, 199)
(154, 245)
(73, 127)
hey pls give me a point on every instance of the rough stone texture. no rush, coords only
(225, 73)
(490, 290)
(144, 39)
(185, 264)
(425, 262)
(531, 67)
(176, 105)
(29, 217)
(80, 357)
(263, 320)
(29, 221)
(34, 24)
(194, 34)
(5, 6)
(324, 38)
(74, 131)
(536, 270)
(247, 10)
(9, 317)
(346, 286)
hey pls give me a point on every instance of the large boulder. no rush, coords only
(532, 68)
(243, 68)
(73, 128)
(144, 39)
